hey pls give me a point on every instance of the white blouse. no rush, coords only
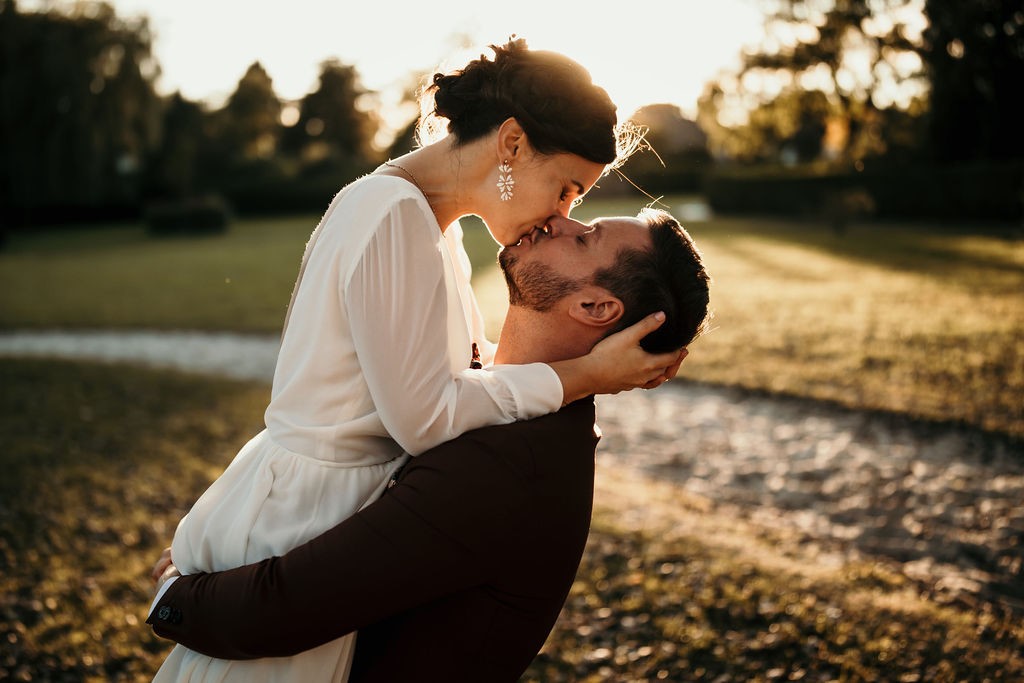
(375, 357)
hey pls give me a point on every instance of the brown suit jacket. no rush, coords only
(457, 573)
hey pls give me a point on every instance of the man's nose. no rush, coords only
(563, 226)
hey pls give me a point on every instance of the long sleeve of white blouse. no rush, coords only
(397, 305)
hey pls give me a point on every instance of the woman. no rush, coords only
(383, 340)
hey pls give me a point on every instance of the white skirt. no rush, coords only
(268, 501)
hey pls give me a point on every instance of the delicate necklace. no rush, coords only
(416, 183)
(411, 176)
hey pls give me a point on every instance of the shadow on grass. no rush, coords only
(673, 607)
(99, 464)
(101, 461)
(908, 247)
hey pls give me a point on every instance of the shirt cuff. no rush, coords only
(536, 388)
(160, 594)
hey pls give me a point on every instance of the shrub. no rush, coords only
(979, 192)
(196, 216)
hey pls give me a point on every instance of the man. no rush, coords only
(459, 571)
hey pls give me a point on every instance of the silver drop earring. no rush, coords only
(505, 181)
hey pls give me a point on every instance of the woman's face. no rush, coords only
(544, 186)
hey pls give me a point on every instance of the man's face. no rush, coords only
(547, 266)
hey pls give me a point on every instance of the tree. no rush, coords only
(672, 134)
(678, 152)
(333, 129)
(861, 55)
(974, 52)
(176, 167)
(79, 112)
(405, 140)
(249, 124)
(790, 128)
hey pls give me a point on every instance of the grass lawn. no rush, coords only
(119, 277)
(916, 319)
(101, 461)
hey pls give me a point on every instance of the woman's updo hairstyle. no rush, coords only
(551, 96)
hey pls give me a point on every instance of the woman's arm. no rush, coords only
(398, 302)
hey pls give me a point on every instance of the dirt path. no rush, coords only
(943, 505)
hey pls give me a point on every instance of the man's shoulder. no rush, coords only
(518, 450)
(573, 424)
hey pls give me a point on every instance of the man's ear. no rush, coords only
(511, 140)
(596, 307)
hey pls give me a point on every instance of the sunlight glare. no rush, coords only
(654, 51)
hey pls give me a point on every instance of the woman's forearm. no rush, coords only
(577, 377)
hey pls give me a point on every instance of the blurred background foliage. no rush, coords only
(904, 113)
(889, 108)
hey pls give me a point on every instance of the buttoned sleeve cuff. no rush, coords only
(535, 387)
(160, 594)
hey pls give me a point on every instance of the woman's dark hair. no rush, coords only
(551, 96)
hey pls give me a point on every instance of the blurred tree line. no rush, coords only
(78, 114)
(907, 108)
(903, 108)
(84, 134)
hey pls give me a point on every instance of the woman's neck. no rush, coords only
(447, 176)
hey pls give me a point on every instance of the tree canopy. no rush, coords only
(79, 112)
(82, 125)
(860, 74)
(974, 52)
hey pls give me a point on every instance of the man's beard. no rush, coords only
(535, 285)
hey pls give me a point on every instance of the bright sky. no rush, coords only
(641, 51)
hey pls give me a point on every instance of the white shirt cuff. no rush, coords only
(160, 594)
(536, 389)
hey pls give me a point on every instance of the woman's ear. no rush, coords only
(511, 140)
(596, 307)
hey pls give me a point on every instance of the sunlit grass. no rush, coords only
(886, 317)
(907, 318)
(922, 320)
(101, 461)
(123, 278)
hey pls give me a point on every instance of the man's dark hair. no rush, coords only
(669, 277)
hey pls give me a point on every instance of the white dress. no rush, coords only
(374, 364)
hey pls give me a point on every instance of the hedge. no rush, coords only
(983, 192)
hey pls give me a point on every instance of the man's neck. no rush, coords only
(531, 337)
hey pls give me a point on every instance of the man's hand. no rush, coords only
(164, 569)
